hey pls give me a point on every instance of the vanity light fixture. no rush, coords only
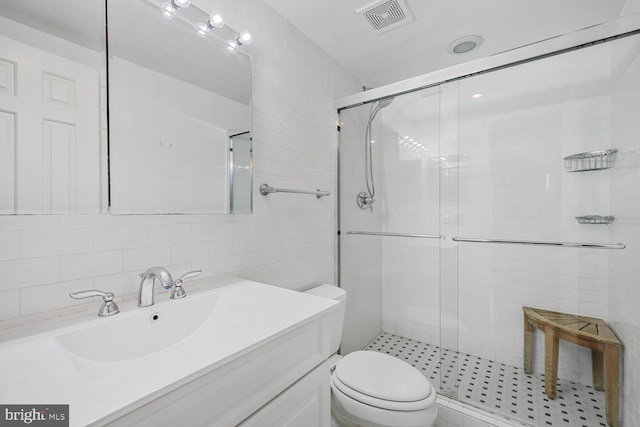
(412, 144)
(204, 23)
(167, 10)
(244, 39)
(202, 30)
(177, 4)
(232, 45)
(216, 20)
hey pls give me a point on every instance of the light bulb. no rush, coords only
(167, 10)
(215, 20)
(245, 38)
(180, 3)
(202, 30)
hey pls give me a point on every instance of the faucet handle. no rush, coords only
(108, 307)
(178, 291)
(190, 275)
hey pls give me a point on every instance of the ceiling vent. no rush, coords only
(385, 15)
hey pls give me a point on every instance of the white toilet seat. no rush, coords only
(379, 403)
(382, 381)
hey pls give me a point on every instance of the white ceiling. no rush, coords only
(420, 46)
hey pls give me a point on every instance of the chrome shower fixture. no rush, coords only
(365, 199)
(384, 103)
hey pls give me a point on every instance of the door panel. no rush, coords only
(54, 103)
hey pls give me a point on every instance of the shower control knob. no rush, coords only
(364, 201)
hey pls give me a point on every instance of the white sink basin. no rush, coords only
(105, 364)
(147, 331)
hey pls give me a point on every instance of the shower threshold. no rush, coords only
(497, 388)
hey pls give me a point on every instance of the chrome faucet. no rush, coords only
(145, 293)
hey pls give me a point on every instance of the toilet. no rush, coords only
(374, 389)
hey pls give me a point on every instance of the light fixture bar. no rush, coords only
(204, 24)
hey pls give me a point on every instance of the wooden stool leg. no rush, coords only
(528, 344)
(597, 365)
(551, 344)
(612, 388)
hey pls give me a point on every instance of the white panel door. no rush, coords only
(53, 149)
(7, 144)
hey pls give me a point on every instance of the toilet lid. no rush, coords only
(382, 376)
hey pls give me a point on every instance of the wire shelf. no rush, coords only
(590, 161)
(594, 219)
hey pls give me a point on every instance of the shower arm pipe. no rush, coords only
(540, 243)
(384, 234)
(267, 189)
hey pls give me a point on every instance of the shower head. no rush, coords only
(384, 103)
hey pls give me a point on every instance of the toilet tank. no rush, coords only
(337, 319)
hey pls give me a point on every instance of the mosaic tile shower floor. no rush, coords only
(499, 388)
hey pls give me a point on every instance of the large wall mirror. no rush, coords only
(178, 99)
(52, 107)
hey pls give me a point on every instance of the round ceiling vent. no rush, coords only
(464, 45)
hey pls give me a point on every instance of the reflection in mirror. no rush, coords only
(52, 107)
(241, 173)
(176, 95)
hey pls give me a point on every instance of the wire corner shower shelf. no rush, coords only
(590, 160)
(594, 219)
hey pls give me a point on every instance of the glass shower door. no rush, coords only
(522, 211)
(390, 248)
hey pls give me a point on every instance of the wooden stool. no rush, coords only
(585, 331)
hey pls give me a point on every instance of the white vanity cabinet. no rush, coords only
(307, 403)
(247, 352)
(284, 381)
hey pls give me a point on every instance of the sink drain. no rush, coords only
(155, 317)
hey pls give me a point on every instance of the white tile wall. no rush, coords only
(288, 240)
(624, 281)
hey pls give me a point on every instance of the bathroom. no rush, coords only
(448, 294)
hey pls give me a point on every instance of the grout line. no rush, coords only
(494, 392)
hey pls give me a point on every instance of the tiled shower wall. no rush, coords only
(289, 239)
(507, 180)
(624, 277)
